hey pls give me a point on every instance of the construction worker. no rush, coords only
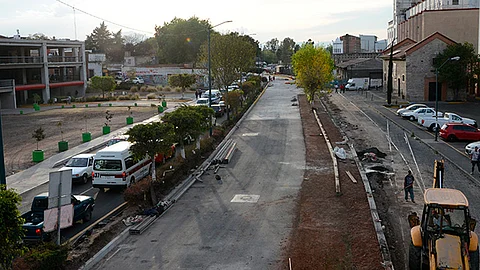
(408, 186)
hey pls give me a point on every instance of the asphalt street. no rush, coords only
(242, 221)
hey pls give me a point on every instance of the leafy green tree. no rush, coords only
(207, 114)
(272, 45)
(234, 100)
(151, 139)
(231, 54)
(104, 83)
(182, 80)
(313, 68)
(179, 41)
(11, 229)
(269, 56)
(116, 49)
(187, 122)
(285, 50)
(458, 74)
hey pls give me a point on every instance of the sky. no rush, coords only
(319, 20)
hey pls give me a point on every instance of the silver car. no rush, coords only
(471, 146)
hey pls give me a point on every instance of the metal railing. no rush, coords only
(38, 59)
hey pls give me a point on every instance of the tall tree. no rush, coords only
(99, 40)
(230, 55)
(458, 74)
(272, 45)
(151, 139)
(11, 229)
(313, 68)
(179, 41)
(104, 83)
(182, 80)
(285, 51)
(116, 49)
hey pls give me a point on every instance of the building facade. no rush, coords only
(351, 44)
(48, 68)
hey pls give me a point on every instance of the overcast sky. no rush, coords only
(320, 20)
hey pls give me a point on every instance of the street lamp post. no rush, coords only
(455, 58)
(210, 71)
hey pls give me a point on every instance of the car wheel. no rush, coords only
(88, 215)
(412, 118)
(84, 179)
(451, 138)
(132, 181)
(415, 257)
(474, 260)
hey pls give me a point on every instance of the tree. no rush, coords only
(179, 41)
(99, 40)
(38, 36)
(269, 57)
(234, 100)
(187, 122)
(286, 50)
(151, 139)
(182, 80)
(104, 83)
(458, 74)
(313, 68)
(272, 45)
(11, 228)
(207, 114)
(231, 54)
(116, 49)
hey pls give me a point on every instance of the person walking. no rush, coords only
(336, 88)
(408, 186)
(474, 158)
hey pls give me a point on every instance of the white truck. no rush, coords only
(448, 117)
(357, 84)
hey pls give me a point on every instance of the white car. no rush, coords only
(471, 146)
(202, 101)
(412, 107)
(81, 166)
(138, 80)
(420, 112)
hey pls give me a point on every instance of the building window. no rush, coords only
(454, 2)
(403, 77)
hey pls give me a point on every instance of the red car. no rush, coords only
(459, 131)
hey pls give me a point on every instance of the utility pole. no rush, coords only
(390, 75)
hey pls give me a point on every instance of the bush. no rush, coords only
(167, 89)
(129, 97)
(143, 88)
(44, 256)
(178, 89)
(151, 89)
(134, 89)
(159, 88)
(152, 96)
(96, 98)
(139, 192)
(124, 86)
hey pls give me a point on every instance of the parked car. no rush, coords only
(216, 96)
(420, 112)
(412, 107)
(471, 146)
(430, 121)
(459, 131)
(138, 80)
(202, 101)
(33, 226)
(81, 166)
(219, 110)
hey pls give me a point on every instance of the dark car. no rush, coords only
(459, 131)
(219, 110)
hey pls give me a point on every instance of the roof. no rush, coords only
(352, 62)
(429, 39)
(445, 196)
(399, 49)
(84, 156)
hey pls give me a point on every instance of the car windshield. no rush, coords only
(77, 162)
(202, 101)
(448, 220)
(107, 165)
(114, 141)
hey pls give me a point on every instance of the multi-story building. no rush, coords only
(351, 44)
(399, 15)
(338, 46)
(49, 68)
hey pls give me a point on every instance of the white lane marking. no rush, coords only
(245, 198)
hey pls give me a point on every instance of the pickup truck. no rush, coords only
(33, 226)
(429, 121)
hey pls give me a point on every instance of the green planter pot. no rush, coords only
(86, 137)
(73, 106)
(62, 146)
(164, 103)
(106, 130)
(37, 155)
(160, 109)
(129, 120)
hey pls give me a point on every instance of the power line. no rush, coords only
(89, 14)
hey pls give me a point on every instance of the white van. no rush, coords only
(114, 166)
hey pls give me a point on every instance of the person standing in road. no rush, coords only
(474, 158)
(408, 186)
